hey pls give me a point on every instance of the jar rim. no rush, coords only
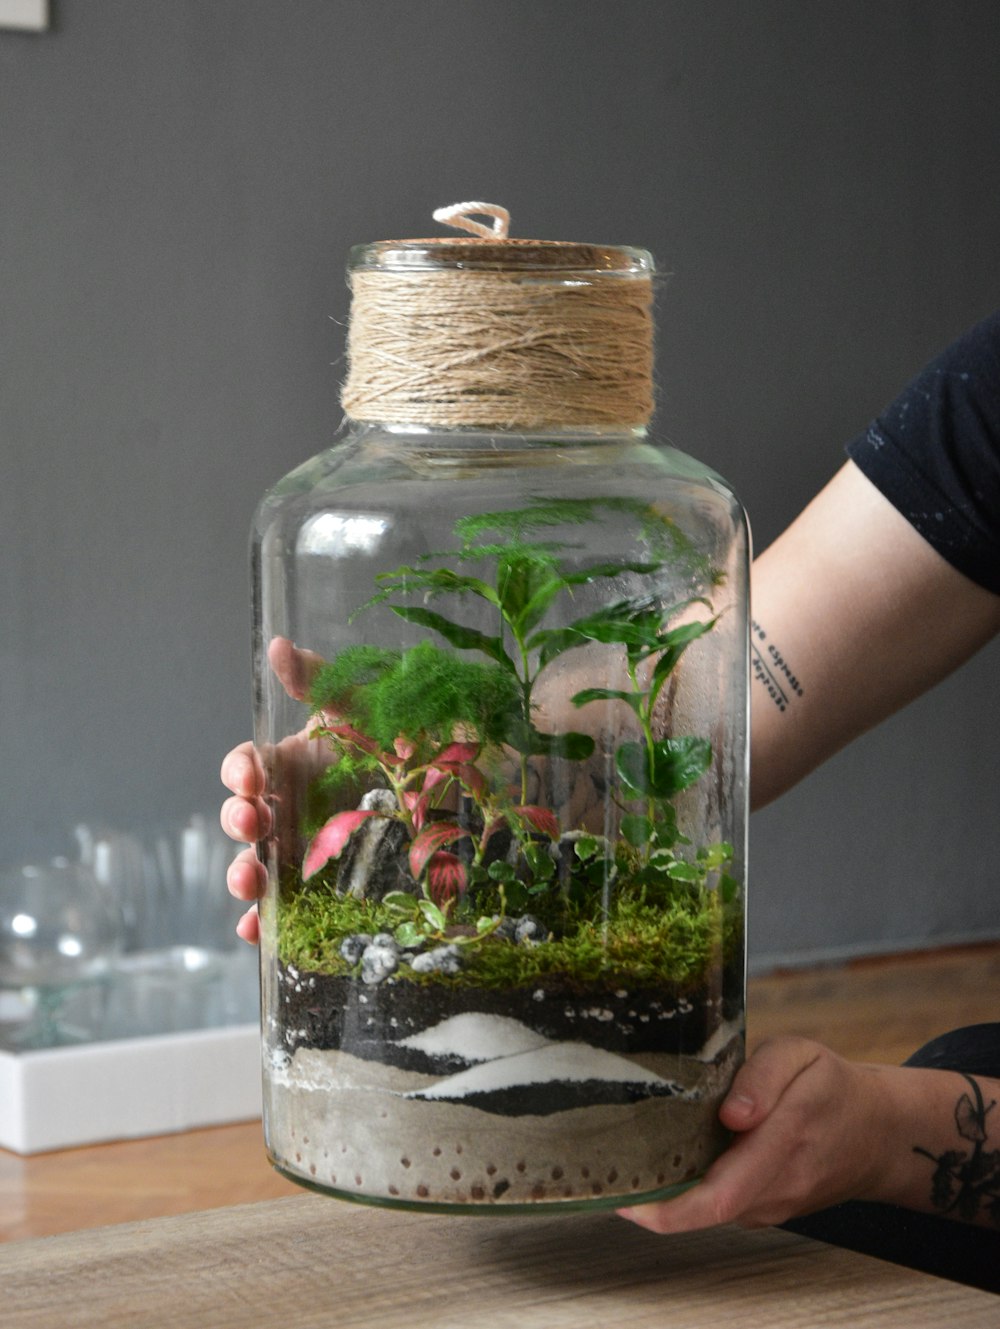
(507, 255)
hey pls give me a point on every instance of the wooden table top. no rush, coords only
(309, 1263)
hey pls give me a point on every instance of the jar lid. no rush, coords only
(500, 255)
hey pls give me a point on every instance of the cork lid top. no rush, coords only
(489, 248)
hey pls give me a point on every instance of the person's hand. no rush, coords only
(811, 1130)
(247, 815)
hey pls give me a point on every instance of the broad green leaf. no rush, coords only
(515, 895)
(500, 871)
(632, 764)
(408, 934)
(597, 570)
(400, 901)
(520, 580)
(433, 914)
(536, 607)
(436, 581)
(632, 699)
(676, 764)
(465, 639)
(632, 623)
(586, 847)
(570, 746)
(728, 888)
(539, 861)
(636, 830)
(680, 871)
(674, 644)
(714, 855)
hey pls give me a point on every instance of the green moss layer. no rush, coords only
(674, 942)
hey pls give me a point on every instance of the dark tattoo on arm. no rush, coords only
(770, 668)
(967, 1182)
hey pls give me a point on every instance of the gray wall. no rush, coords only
(179, 183)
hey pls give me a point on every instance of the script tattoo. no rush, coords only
(967, 1182)
(771, 669)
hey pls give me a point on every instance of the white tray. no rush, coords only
(130, 1087)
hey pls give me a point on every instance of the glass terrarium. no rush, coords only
(501, 699)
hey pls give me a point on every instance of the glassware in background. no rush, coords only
(184, 967)
(60, 933)
(135, 939)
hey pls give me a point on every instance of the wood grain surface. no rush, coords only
(309, 1263)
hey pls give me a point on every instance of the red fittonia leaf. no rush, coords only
(329, 840)
(468, 776)
(431, 839)
(541, 818)
(405, 747)
(458, 752)
(416, 805)
(446, 876)
(348, 734)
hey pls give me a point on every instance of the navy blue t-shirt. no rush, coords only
(935, 453)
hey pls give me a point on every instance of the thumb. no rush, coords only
(763, 1079)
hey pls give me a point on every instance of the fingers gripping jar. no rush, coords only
(501, 691)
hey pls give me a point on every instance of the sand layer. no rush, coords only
(363, 1127)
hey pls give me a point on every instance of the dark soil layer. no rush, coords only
(342, 1013)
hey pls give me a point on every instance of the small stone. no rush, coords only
(530, 931)
(378, 962)
(506, 927)
(353, 947)
(440, 960)
(384, 939)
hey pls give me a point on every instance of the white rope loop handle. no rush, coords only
(458, 216)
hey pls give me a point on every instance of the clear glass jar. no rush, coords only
(502, 702)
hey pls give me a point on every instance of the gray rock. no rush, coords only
(440, 960)
(374, 861)
(352, 948)
(506, 927)
(378, 962)
(529, 931)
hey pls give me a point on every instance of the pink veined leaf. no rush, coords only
(431, 839)
(446, 876)
(457, 752)
(348, 734)
(468, 776)
(541, 818)
(405, 747)
(330, 839)
(434, 775)
(491, 828)
(417, 805)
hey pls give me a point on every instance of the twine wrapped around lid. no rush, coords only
(489, 332)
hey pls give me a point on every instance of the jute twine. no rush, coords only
(517, 349)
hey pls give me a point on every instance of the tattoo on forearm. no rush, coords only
(967, 1182)
(770, 668)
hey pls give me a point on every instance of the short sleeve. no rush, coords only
(935, 453)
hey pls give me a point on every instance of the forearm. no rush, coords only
(854, 615)
(937, 1143)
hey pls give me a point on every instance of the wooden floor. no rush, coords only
(871, 1010)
